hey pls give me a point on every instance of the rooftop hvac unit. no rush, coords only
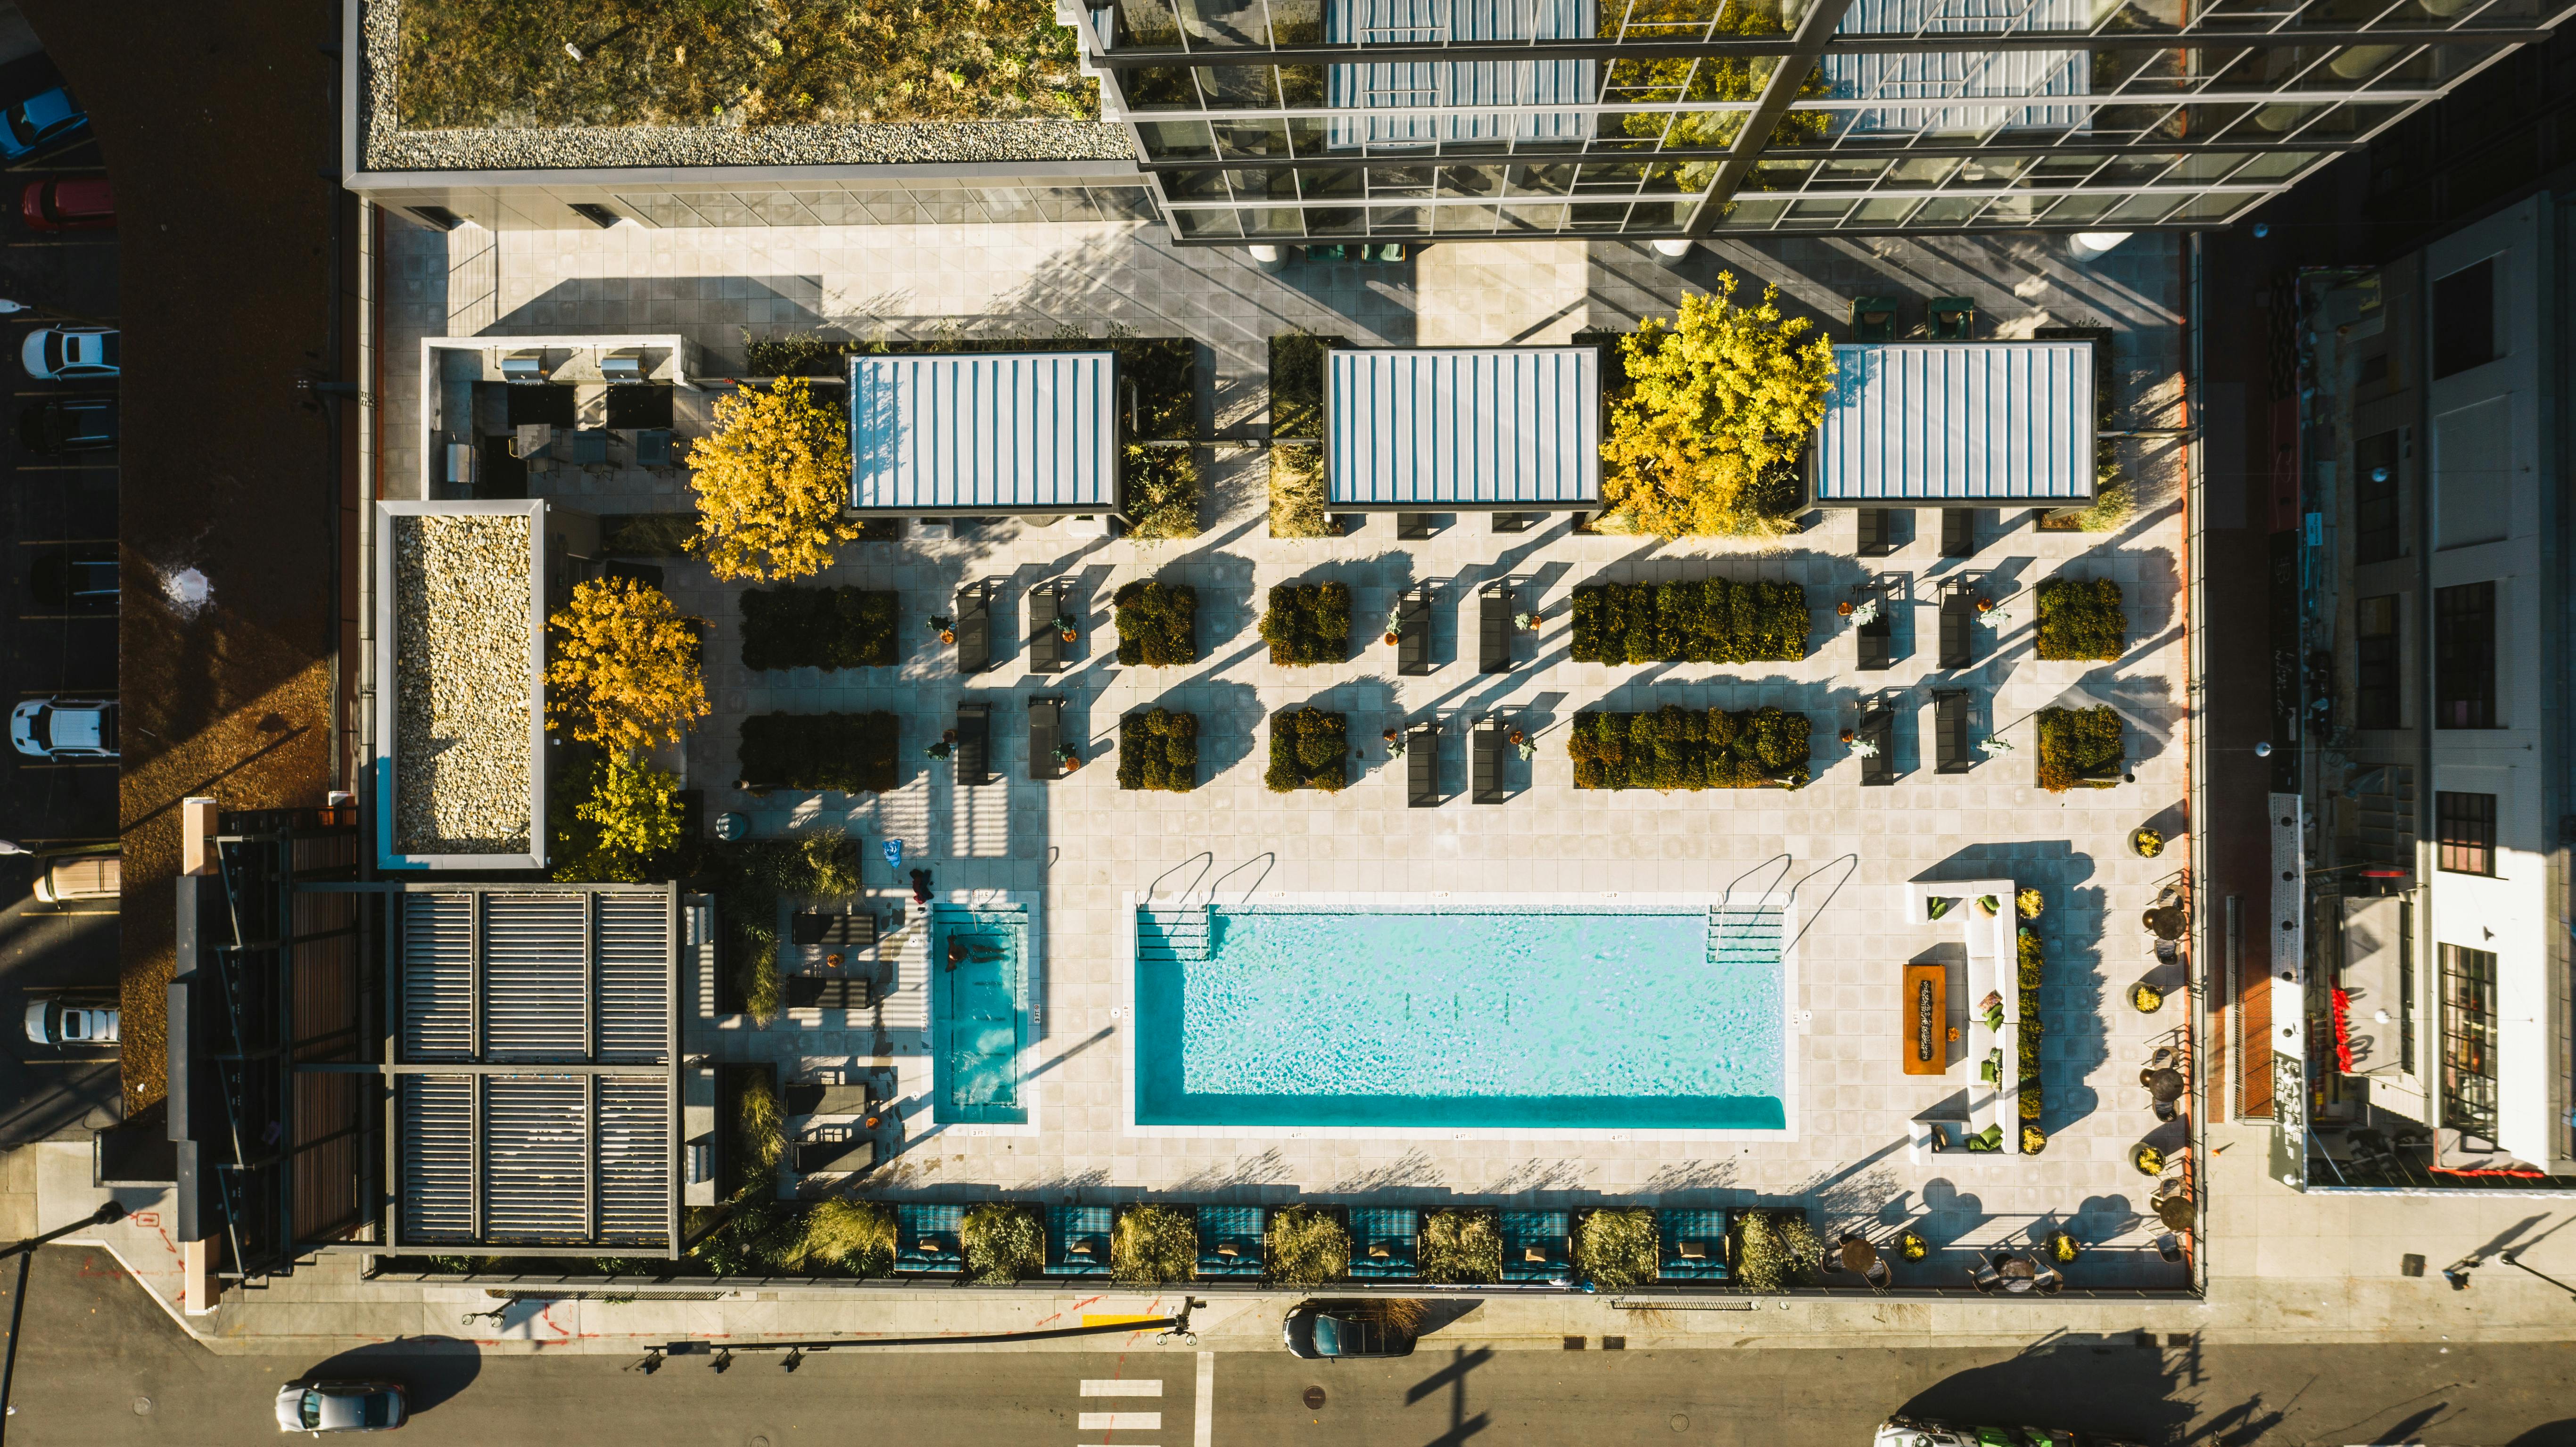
(625, 366)
(460, 464)
(524, 367)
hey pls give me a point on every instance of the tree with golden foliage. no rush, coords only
(624, 666)
(1705, 436)
(771, 484)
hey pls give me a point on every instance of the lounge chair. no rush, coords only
(1953, 753)
(1958, 625)
(1077, 1240)
(813, 1099)
(830, 992)
(1046, 731)
(1878, 730)
(1876, 528)
(974, 752)
(1958, 532)
(1691, 1245)
(1494, 628)
(1382, 1242)
(926, 1237)
(1230, 1240)
(844, 1157)
(1422, 765)
(1413, 629)
(1486, 743)
(1047, 603)
(1877, 637)
(974, 625)
(1537, 1245)
(1412, 525)
(1953, 318)
(1873, 318)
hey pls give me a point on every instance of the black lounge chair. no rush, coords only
(1494, 628)
(835, 1158)
(1877, 637)
(1047, 603)
(1411, 525)
(832, 931)
(1876, 528)
(1046, 731)
(1485, 772)
(1953, 317)
(813, 1098)
(1422, 765)
(1878, 730)
(974, 752)
(1958, 626)
(1958, 532)
(975, 628)
(1952, 751)
(830, 992)
(1413, 628)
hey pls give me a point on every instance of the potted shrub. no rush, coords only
(2029, 903)
(1069, 757)
(2033, 1140)
(1911, 1246)
(2148, 1160)
(2147, 998)
(1528, 620)
(1002, 1242)
(1067, 629)
(1462, 1246)
(2062, 1247)
(2146, 843)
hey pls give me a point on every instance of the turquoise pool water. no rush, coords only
(1640, 1018)
(980, 1015)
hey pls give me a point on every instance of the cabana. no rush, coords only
(963, 434)
(1948, 424)
(1467, 429)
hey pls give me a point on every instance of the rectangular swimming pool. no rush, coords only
(980, 1014)
(1568, 1018)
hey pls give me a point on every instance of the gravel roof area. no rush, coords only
(386, 146)
(461, 766)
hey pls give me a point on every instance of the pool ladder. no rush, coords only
(1743, 935)
(1175, 935)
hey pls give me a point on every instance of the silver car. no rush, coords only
(319, 1407)
(55, 354)
(64, 728)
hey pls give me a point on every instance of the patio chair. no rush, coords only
(1230, 1240)
(1691, 1245)
(1877, 637)
(1422, 765)
(1494, 628)
(1958, 624)
(1382, 1242)
(811, 1098)
(830, 992)
(1047, 603)
(1046, 731)
(2050, 1280)
(974, 752)
(1876, 526)
(1958, 532)
(1981, 1275)
(1953, 754)
(589, 447)
(1953, 317)
(1413, 525)
(1537, 1245)
(1486, 742)
(1878, 730)
(974, 627)
(1413, 628)
(1873, 318)
(1077, 1240)
(926, 1237)
(1878, 1277)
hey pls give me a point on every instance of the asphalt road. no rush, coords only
(100, 1364)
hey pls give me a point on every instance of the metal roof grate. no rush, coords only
(533, 978)
(438, 977)
(1479, 426)
(1958, 422)
(438, 1158)
(634, 1154)
(632, 1004)
(535, 1161)
(995, 430)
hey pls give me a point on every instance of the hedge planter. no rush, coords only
(2031, 967)
(1308, 623)
(1308, 1246)
(1309, 749)
(848, 753)
(1462, 1245)
(1158, 624)
(2079, 748)
(1679, 748)
(1159, 749)
(1714, 621)
(2080, 620)
(818, 628)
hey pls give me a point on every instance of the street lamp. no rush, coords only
(108, 1210)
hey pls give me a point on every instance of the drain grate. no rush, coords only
(1614, 1343)
(1574, 1343)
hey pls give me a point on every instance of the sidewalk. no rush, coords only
(2287, 1268)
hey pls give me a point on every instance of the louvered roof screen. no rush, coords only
(966, 432)
(1958, 422)
(1483, 428)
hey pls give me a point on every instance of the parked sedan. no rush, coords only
(68, 1022)
(54, 354)
(319, 1407)
(87, 204)
(64, 728)
(38, 121)
(1336, 1329)
(68, 424)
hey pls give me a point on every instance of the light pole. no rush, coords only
(13, 308)
(25, 1251)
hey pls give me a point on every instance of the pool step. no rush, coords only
(1172, 935)
(1743, 936)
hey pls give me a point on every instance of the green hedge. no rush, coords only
(848, 753)
(1689, 748)
(1159, 749)
(2077, 745)
(1161, 489)
(1714, 621)
(1297, 383)
(2029, 1031)
(2080, 618)
(795, 627)
(1157, 624)
(1309, 749)
(1308, 623)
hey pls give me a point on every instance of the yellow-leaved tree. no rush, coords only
(1705, 436)
(771, 482)
(624, 666)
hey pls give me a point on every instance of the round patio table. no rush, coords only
(2020, 1273)
(2175, 1211)
(2166, 1086)
(1859, 1256)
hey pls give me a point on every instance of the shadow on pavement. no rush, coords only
(431, 1369)
(2118, 1389)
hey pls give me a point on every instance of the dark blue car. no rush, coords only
(40, 121)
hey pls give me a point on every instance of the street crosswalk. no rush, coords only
(1123, 1418)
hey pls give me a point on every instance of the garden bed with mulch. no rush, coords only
(792, 627)
(2080, 619)
(1158, 624)
(1690, 748)
(845, 753)
(1159, 749)
(1309, 749)
(1711, 621)
(1308, 623)
(2079, 748)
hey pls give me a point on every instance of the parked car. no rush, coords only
(40, 120)
(68, 424)
(68, 204)
(72, 1022)
(54, 354)
(319, 1407)
(1915, 1432)
(80, 876)
(64, 728)
(1334, 1329)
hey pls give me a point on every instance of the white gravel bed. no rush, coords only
(461, 766)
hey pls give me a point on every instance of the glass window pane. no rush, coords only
(1177, 140)
(1158, 88)
(2143, 210)
(1251, 138)
(1883, 213)
(2079, 208)
(1238, 87)
(1207, 223)
(1534, 218)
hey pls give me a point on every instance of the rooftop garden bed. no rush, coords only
(1617, 1249)
(848, 753)
(1151, 1245)
(818, 628)
(1462, 1245)
(1003, 1242)
(1299, 498)
(1308, 623)
(1159, 749)
(1712, 621)
(2028, 1032)
(1160, 491)
(1309, 749)
(2079, 748)
(1158, 624)
(1297, 383)
(2081, 619)
(1774, 1250)
(1308, 1245)
(1679, 748)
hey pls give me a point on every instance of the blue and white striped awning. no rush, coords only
(1957, 422)
(1429, 101)
(1962, 76)
(1471, 427)
(984, 432)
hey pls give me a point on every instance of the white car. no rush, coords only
(64, 728)
(319, 1407)
(54, 354)
(66, 877)
(58, 1022)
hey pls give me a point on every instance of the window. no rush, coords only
(2464, 688)
(2377, 536)
(2375, 678)
(2464, 330)
(2468, 1040)
(2405, 987)
(2465, 829)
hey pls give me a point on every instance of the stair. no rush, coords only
(1744, 936)
(1172, 936)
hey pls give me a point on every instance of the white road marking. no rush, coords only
(1204, 1433)
(1120, 1421)
(1117, 1387)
